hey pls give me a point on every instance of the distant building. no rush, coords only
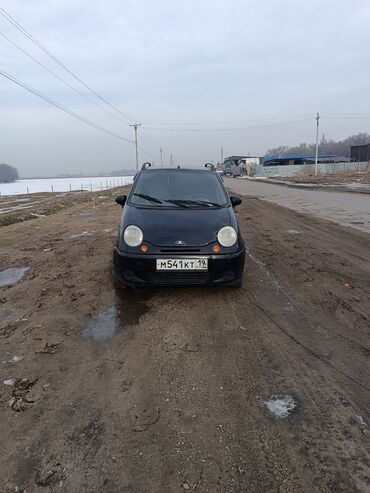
(298, 159)
(239, 164)
(360, 153)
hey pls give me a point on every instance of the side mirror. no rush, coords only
(235, 200)
(121, 200)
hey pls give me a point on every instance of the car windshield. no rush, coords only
(178, 188)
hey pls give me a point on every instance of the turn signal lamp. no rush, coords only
(144, 248)
(216, 249)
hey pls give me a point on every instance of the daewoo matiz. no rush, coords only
(178, 227)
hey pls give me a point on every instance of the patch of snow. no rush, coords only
(37, 215)
(16, 359)
(281, 405)
(11, 401)
(9, 381)
(361, 420)
(84, 233)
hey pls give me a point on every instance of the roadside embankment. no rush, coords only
(19, 208)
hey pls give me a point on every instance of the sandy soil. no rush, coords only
(174, 390)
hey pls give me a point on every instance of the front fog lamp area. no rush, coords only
(227, 236)
(133, 236)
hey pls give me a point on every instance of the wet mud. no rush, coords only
(129, 306)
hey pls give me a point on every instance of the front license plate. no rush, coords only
(182, 264)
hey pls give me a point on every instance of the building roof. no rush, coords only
(233, 158)
(297, 156)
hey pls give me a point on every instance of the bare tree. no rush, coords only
(339, 148)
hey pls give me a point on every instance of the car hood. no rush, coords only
(164, 227)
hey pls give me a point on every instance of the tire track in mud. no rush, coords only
(298, 317)
(303, 311)
(300, 377)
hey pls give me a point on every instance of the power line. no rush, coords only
(10, 19)
(305, 115)
(20, 28)
(146, 152)
(61, 107)
(226, 129)
(145, 137)
(61, 78)
(347, 117)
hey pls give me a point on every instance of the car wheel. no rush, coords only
(237, 284)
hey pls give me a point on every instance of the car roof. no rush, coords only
(177, 169)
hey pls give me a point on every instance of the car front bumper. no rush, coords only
(140, 270)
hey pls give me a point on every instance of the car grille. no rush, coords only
(179, 278)
(180, 250)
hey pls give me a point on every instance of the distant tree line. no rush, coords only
(8, 173)
(339, 148)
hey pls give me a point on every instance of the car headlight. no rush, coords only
(227, 236)
(133, 236)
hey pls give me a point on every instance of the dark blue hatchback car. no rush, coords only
(178, 227)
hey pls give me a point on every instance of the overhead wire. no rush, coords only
(145, 138)
(61, 107)
(267, 119)
(118, 113)
(16, 24)
(61, 79)
(226, 128)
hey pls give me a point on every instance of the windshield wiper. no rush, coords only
(180, 203)
(149, 198)
(186, 203)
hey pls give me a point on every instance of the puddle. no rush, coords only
(84, 233)
(12, 275)
(281, 405)
(293, 232)
(126, 311)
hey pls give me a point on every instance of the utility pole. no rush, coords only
(317, 142)
(171, 160)
(222, 155)
(135, 125)
(161, 151)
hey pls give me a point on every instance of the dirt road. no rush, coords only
(261, 389)
(348, 209)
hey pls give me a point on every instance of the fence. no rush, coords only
(309, 169)
(60, 185)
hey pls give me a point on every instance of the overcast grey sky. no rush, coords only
(184, 64)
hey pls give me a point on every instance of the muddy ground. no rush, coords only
(20, 208)
(261, 389)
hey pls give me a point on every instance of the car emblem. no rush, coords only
(180, 243)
